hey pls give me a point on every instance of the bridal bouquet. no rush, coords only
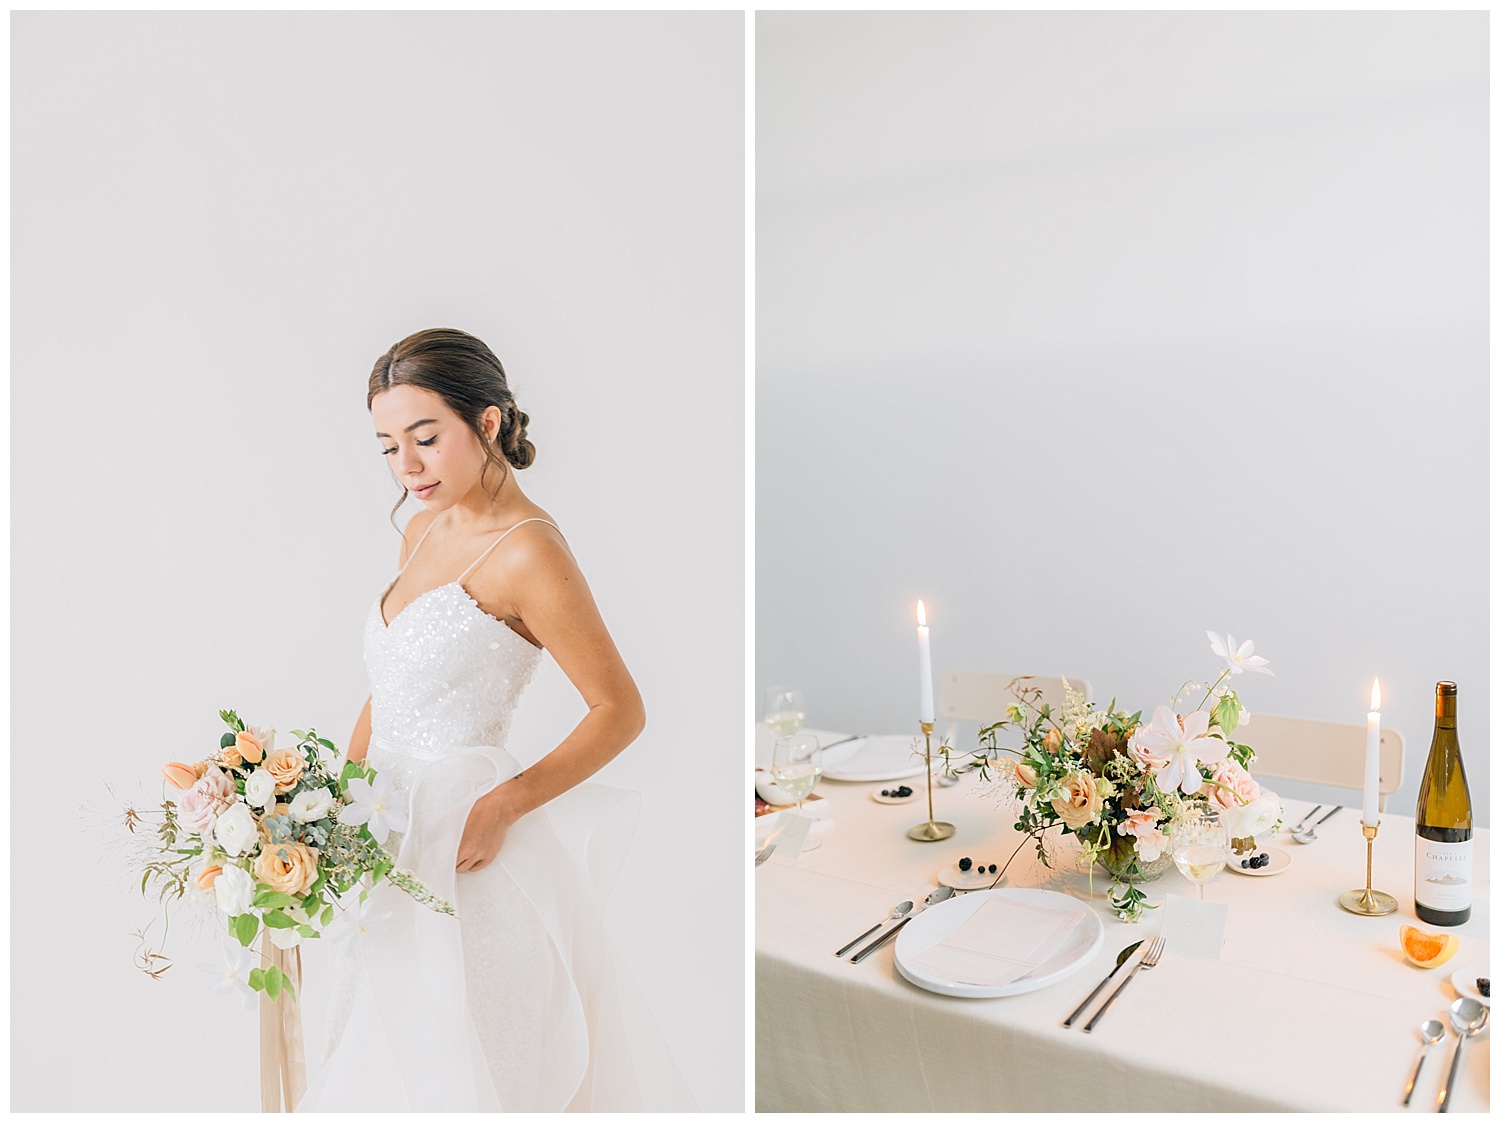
(274, 838)
(1118, 783)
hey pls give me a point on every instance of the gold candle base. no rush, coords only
(1368, 901)
(930, 831)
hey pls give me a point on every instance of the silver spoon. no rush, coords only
(900, 910)
(1307, 834)
(1432, 1032)
(937, 896)
(1467, 1016)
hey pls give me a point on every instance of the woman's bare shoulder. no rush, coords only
(416, 526)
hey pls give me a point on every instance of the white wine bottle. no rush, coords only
(1445, 823)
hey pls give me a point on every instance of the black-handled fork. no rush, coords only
(1148, 961)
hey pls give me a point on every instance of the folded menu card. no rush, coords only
(1004, 940)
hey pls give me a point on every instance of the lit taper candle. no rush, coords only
(924, 656)
(1371, 816)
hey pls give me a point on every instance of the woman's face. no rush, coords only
(432, 453)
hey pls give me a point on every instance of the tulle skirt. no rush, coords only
(520, 1003)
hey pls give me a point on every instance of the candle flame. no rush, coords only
(1375, 696)
(921, 615)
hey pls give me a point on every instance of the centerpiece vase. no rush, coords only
(1122, 863)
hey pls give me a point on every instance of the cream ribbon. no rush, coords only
(283, 1059)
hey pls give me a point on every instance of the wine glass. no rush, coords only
(784, 709)
(797, 766)
(1200, 845)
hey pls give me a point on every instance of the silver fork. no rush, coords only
(1148, 961)
(764, 854)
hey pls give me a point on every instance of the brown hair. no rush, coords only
(462, 371)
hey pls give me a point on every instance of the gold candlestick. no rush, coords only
(930, 831)
(1368, 901)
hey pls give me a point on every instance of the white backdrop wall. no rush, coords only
(1099, 330)
(220, 220)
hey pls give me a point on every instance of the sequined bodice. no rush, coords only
(444, 676)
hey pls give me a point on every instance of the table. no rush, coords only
(1308, 1008)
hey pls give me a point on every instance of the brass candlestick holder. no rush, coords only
(930, 831)
(1368, 901)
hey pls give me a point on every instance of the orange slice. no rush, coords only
(1427, 949)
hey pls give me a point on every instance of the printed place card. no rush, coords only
(1194, 928)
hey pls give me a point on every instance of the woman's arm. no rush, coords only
(359, 740)
(557, 608)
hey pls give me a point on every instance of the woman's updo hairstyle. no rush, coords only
(462, 371)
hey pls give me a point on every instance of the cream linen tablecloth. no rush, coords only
(1309, 1008)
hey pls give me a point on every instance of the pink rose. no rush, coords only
(1142, 826)
(1145, 749)
(202, 803)
(1239, 787)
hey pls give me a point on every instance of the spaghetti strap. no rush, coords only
(501, 539)
(417, 547)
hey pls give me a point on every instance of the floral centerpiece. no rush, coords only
(1117, 783)
(274, 840)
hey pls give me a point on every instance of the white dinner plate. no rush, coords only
(933, 925)
(872, 758)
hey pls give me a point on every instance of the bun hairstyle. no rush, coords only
(462, 371)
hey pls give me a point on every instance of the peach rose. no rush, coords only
(1053, 741)
(288, 868)
(249, 747)
(1078, 803)
(285, 767)
(209, 875)
(1025, 775)
(183, 776)
(1239, 787)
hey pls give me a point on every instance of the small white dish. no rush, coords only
(955, 878)
(1280, 861)
(878, 798)
(1465, 981)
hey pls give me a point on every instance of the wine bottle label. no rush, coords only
(1445, 874)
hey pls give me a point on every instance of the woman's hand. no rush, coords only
(489, 821)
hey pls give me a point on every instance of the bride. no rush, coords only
(518, 1003)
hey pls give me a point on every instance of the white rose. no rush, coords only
(285, 938)
(260, 788)
(235, 890)
(312, 805)
(236, 831)
(1255, 817)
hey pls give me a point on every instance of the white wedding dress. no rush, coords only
(520, 1002)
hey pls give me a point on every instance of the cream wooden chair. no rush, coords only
(1320, 752)
(984, 697)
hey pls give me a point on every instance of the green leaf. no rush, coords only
(274, 979)
(327, 916)
(300, 734)
(257, 978)
(382, 868)
(1227, 713)
(270, 899)
(245, 927)
(307, 932)
(279, 920)
(227, 740)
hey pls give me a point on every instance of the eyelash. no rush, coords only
(424, 444)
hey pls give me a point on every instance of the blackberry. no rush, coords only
(964, 864)
(1484, 986)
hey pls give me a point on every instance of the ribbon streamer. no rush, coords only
(283, 1057)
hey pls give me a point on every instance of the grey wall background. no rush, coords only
(1098, 330)
(219, 222)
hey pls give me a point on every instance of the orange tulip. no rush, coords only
(249, 747)
(209, 875)
(180, 776)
